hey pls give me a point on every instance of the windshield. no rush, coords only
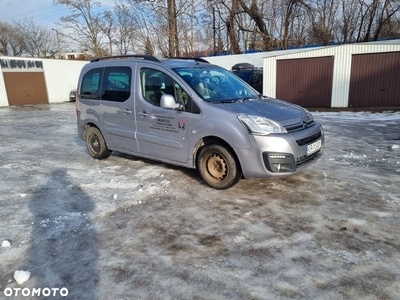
(215, 84)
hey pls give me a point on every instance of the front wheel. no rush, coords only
(218, 167)
(96, 144)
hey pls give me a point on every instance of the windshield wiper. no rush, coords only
(223, 101)
(233, 100)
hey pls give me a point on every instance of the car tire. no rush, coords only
(218, 167)
(95, 144)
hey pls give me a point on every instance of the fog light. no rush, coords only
(279, 162)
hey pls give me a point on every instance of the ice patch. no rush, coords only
(395, 147)
(70, 221)
(353, 257)
(9, 166)
(382, 214)
(21, 276)
(384, 116)
(357, 222)
(5, 244)
(302, 237)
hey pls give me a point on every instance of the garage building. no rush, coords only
(34, 81)
(351, 75)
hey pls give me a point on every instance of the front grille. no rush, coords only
(299, 126)
(309, 140)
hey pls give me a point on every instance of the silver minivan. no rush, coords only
(190, 113)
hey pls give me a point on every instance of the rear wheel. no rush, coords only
(218, 167)
(96, 144)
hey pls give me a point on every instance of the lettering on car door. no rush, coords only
(162, 133)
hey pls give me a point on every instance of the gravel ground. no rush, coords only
(128, 228)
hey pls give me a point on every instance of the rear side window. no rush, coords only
(90, 87)
(116, 84)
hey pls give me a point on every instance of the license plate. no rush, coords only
(314, 147)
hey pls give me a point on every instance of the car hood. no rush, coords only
(277, 110)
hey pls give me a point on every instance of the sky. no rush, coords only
(43, 12)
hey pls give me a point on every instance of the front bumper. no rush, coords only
(280, 154)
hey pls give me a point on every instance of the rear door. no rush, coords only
(162, 133)
(117, 108)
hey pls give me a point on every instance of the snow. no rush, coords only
(21, 276)
(129, 228)
(6, 243)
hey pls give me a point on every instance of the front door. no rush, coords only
(162, 133)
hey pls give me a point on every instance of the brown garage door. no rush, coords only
(375, 80)
(306, 82)
(25, 88)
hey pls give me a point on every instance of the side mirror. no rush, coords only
(168, 102)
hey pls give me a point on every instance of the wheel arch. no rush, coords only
(207, 140)
(87, 126)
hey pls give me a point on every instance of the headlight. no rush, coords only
(260, 125)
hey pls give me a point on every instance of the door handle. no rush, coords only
(126, 111)
(143, 113)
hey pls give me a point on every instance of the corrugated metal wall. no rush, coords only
(375, 80)
(306, 82)
(341, 69)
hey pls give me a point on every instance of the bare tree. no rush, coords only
(186, 22)
(148, 47)
(145, 21)
(228, 11)
(322, 15)
(173, 45)
(212, 25)
(258, 17)
(123, 30)
(107, 25)
(38, 40)
(11, 41)
(190, 27)
(391, 27)
(387, 11)
(347, 22)
(84, 24)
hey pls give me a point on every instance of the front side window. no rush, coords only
(155, 83)
(90, 88)
(116, 84)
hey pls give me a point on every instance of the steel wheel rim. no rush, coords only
(94, 143)
(217, 166)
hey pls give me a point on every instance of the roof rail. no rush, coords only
(143, 56)
(198, 59)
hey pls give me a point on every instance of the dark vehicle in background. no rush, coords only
(251, 74)
(72, 95)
